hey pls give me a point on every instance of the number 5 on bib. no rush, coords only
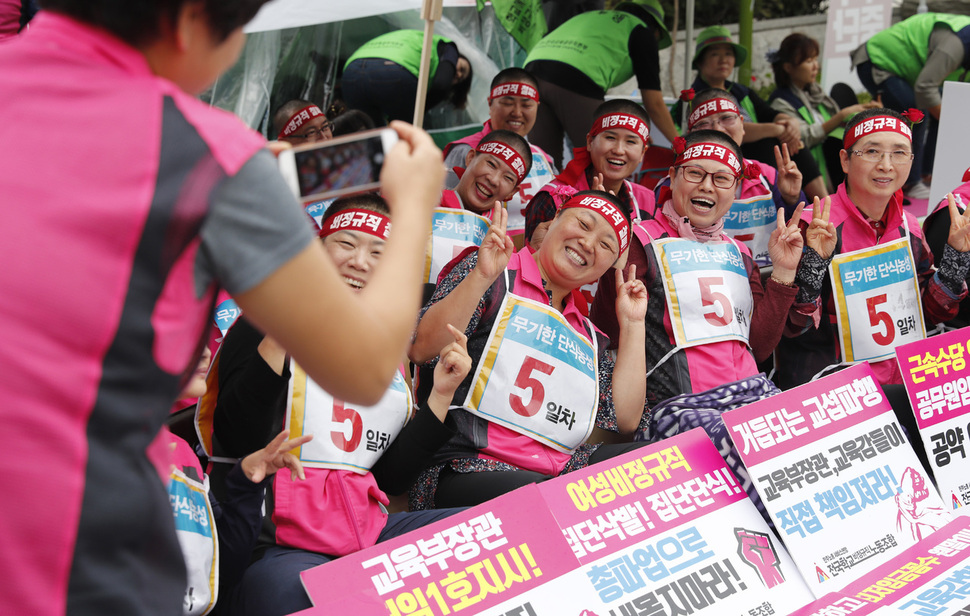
(537, 376)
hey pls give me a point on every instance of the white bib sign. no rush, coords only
(195, 527)
(708, 292)
(537, 376)
(345, 437)
(751, 220)
(452, 231)
(877, 300)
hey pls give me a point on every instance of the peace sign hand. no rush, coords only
(820, 235)
(789, 178)
(496, 248)
(785, 246)
(631, 296)
(959, 225)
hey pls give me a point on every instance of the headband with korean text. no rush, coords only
(621, 120)
(874, 125)
(298, 119)
(354, 219)
(608, 211)
(514, 88)
(715, 105)
(710, 151)
(507, 154)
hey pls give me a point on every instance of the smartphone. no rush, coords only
(341, 166)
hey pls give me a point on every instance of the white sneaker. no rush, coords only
(920, 190)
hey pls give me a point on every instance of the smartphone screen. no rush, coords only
(340, 168)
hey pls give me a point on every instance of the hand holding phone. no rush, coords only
(341, 166)
(414, 172)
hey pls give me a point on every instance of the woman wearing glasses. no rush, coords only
(709, 318)
(762, 190)
(881, 273)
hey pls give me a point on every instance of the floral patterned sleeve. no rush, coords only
(605, 413)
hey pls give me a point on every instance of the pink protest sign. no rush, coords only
(472, 561)
(837, 475)
(619, 502)
(660, 522)
(931, 577)
(937, 380)
(937, 376)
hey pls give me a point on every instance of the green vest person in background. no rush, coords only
(906, 65)
(381, 78)
(579, 61)
(821, 119)
(715, 57)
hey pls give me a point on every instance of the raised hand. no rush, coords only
(497, 247)
(597, 184)
(453, 365)
(785, 246)
(789, 178)
(821, 236)
(631, 296)
(275, 456)
(959, 225)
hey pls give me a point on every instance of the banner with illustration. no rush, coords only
(664, 528)
(838, 477)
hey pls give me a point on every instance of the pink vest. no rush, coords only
(332, 512)
(856, 233)
(710, 365)
(504, 444)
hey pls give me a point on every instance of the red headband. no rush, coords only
(297, 119)
(621, 120)
(353, 219)
(710, 151)
(715, 105)
(514, 88)
(874, 125)
(608, 211)
(507, 154)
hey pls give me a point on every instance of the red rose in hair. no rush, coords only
(752, 171)
(687, 95)
(915, 116)
(680, 144)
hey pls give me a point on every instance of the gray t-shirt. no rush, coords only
(255, 224)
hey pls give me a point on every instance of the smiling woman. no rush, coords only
(870, 224)
(615, 145)
(528, 407)
(709, 318)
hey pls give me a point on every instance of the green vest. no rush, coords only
(902, 49)
(595, 43)
(401, 47)
(817, 152)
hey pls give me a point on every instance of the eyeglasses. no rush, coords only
(726, 120)
(872, 155)
(316, 133)
(696, 175)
